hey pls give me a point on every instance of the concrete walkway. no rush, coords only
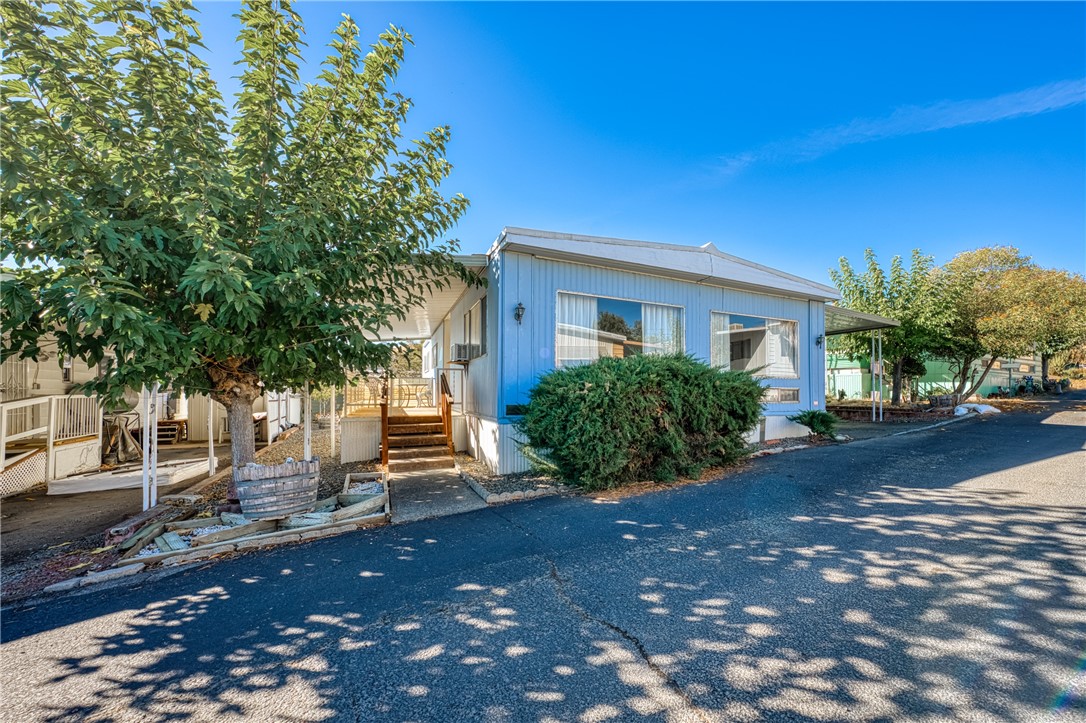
(430, 493)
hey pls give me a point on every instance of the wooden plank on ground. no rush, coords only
(234, 519)
(170, 541)
(327, 504)
(373, 503)
(193, 523)
(149, 532)
(239, 531)
(130, 526)
(307, 519)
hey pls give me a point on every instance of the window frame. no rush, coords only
(783, 389)
(474, 317)
(554, 344)
(761, 375)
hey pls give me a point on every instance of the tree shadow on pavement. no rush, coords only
(886, 600)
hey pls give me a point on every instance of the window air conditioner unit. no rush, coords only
(463, 353)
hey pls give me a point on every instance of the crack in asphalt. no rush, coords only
(563, 594)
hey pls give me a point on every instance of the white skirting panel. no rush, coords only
(776, 427)
(461, 438)
(510, 459)
(82, 456)
(493, 444)
(360, 439)
(483, 440)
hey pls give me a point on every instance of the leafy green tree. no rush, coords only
(222, 253)
(978, 313)
(909, 295)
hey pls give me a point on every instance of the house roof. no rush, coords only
(701, 264)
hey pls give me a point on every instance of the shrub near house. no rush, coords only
(643, 417)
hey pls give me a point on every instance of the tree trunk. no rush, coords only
(895, 396)
(242, 438)
(983, 376)
(963, 376)
(1044, 368)
(236, 389)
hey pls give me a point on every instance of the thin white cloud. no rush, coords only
(911, 120)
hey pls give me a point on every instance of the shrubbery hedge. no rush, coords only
(639, 418)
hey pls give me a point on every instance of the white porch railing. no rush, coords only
(76, 417)
(23, 419)
(49, 419)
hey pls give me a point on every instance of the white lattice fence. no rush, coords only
(23, 475)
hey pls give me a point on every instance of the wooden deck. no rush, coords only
(375, 412)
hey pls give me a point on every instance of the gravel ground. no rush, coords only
(497, 484)
(332, 471)
(788, 442)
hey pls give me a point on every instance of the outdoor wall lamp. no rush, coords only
(819, 340)
(518, 312)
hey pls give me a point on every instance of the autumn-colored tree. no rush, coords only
(979, 322)
(218, 252)
(1044, 308)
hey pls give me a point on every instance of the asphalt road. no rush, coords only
(934, 576)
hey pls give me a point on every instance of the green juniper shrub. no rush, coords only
(644, 417)
(816, 420)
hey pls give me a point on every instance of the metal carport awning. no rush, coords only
(840, 320)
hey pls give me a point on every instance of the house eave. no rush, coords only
(695, 260)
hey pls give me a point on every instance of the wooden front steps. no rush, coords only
(417, 443)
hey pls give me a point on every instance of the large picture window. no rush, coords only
(766, 347)
(591, 327)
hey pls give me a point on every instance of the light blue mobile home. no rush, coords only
(556, 299)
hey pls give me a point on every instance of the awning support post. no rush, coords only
(332, 419)
(212, 462)
(145, 407)
(882, 375)
(872, 376)
(154, 445)
(308, 426)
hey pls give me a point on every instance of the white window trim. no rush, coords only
(798, 391)
(474, 313)
(799, 340)
(612, 298)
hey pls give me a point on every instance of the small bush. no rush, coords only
(617, 421)
(816, 420)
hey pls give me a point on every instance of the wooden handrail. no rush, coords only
(446, 412)
(384, 432)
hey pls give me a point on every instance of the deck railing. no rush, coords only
(23, 419)
(403, 392)
(50, 420)
(76, 417)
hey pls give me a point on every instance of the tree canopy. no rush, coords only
(971, 285)
(908, 295)
(982, 305)
(221, 252)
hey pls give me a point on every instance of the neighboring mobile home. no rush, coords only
(555, 299)
(49, 431)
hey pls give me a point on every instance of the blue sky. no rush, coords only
(788, 134)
